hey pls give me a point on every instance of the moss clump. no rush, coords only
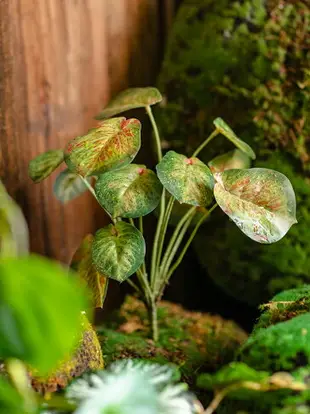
(246, 61)
(252, 272)
(285, 306)
(88, 356)
(191, 340)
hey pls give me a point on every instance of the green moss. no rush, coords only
(191, 340)
(246, 61)
(87, 356)
(250, 271)
(285, 306)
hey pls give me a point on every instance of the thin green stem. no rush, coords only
(164, 229)
(91, 189)
(156, 133)
(154, 320)
(154, 270)
(141, 231)
(190, 239)
(133, 285)
(205, 142)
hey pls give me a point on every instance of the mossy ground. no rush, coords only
(88, 356)
(193, 341)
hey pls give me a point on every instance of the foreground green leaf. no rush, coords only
(40, 310)
(11, 401)
(130, 99)
(229, 161)
(68, 186)
(132, 191)
(118, 250)
(14, 238)
(260, 201)
(188, 179)
(112, 145)
(44, 164)
(225, 130)
(96, 282)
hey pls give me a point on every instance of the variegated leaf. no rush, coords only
(224, 129)
(118, 250)
(229, 161)
(260, 201)
(68, 186)
(112, 145)
(14, 237)
(44, 164)
(130, 99)
(82, 263)
(189, 180)
(132, 191)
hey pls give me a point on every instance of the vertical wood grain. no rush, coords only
(60, 61)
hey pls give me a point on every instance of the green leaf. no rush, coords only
(130, 99)
(230, 374)
(96, 282)
(40, 311)
(118, 250)
(260, 201)
(44, 164)
(11, 401)
(132, 191)
(112, 145)
(229, 161)
(188, 179)
(68, 186)
(224, 129)
(14, 238)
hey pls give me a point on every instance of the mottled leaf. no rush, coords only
(118, 250)
(44, 164)
(112, 145)
(224, 129)
(68, 186)
(188, 179)
(96, 282)
(40, 312)
(14, 237)
(229, 161)
(132, 191)
(130, 99)
(233, 373)
(260, 201)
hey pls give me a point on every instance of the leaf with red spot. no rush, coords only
(189, 180)
(229, 161)
(130, 99)
(225, 130)
(260, 201)
(96, 282)
(112, 145)
(132, 191)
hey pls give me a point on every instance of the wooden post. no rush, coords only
(60, 61)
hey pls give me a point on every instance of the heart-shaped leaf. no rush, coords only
(224, 129)
(229, 161)
(39, 305)
(118, 250)
(112, 145)
(132, 191)
(68, 186)
(14, 237)
(260, 201)
(130, 99)
(44, 164)
(189, 180)
(82, 263)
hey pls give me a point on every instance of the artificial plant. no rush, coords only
(260, 201)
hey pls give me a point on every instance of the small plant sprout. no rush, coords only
(261, 202)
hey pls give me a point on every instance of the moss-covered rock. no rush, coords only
(243, 60)
(191, 340)
(252, 272)
(88, 356)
